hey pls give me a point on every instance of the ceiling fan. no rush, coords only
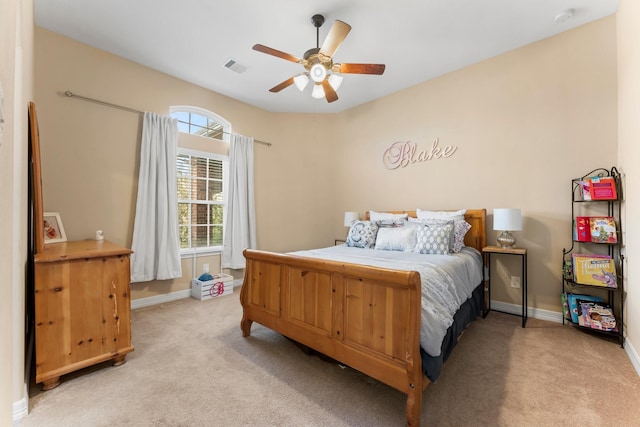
(318, 63)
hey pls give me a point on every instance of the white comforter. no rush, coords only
(447, 282)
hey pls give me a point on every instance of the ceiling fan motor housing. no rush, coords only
(317, 65)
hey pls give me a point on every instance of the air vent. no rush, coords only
(234, 66)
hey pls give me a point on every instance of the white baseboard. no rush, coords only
(633, 355)
(21, 407)
(534, 313)
(160, 299)
(173, 296)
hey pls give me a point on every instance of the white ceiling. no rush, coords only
(416, 39)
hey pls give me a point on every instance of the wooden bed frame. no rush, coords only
(365, 317)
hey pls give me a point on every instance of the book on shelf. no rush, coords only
(594, 270)
(584, 191)
(602, 229)
(581, 229)
(583, 312)
(567, 269)
(565, 307)
(602, 188)
(572, 303)
(596, 315)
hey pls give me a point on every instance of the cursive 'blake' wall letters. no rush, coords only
(404, 153)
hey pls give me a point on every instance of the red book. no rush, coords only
(603, 188)
(583, 231)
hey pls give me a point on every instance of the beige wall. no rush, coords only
(524, 123)
(90, 152)
(16, 71)
(628, 20)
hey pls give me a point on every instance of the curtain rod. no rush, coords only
(70, 94)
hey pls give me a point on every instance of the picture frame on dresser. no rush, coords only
(53, 228)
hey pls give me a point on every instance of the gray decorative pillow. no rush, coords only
(362, 234)
(434, 238)
(460, 229)
(396, 239)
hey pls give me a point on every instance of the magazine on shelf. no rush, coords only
(572, 302)
(602, 188)
(596, 315)
(595, 270)
(602, 229)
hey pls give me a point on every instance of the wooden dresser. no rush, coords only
(82, 307)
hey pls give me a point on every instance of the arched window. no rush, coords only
(202, 181)
(198, 121)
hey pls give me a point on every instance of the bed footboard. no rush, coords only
(365, 317)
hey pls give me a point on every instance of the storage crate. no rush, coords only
(222, 284)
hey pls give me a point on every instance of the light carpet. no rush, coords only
(192, 367)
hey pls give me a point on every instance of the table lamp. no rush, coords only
(506, 220)
(349, 217)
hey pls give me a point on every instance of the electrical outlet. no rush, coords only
(205, 268)
(515, 281)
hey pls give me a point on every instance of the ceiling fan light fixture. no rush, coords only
(318, 63)
(318, 91)
(335, 81)
(318, 73)
(301, 81)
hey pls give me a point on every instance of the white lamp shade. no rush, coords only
(335, 81)
(301, 81)
(318, 91)
(349, 217)
(507, 219)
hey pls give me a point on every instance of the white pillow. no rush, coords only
(434, 238)
(385, 216)
(455, 215)
(396, 239)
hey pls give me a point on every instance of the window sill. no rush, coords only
(191, 253)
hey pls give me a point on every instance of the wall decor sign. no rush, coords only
(404, 153)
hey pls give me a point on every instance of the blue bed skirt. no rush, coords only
(468, 312)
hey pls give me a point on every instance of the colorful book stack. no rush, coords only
(596, 229)
(597, 188)
(589, 311)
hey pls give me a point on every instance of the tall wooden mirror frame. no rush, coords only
(38, 209)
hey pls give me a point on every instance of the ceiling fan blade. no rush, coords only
(334, 39)
(359, 68)
(283, 85)
(329, 92)
(275, 52)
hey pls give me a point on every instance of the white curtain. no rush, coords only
(240, 226)
(156, 247)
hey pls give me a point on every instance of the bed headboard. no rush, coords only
(476, 237)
